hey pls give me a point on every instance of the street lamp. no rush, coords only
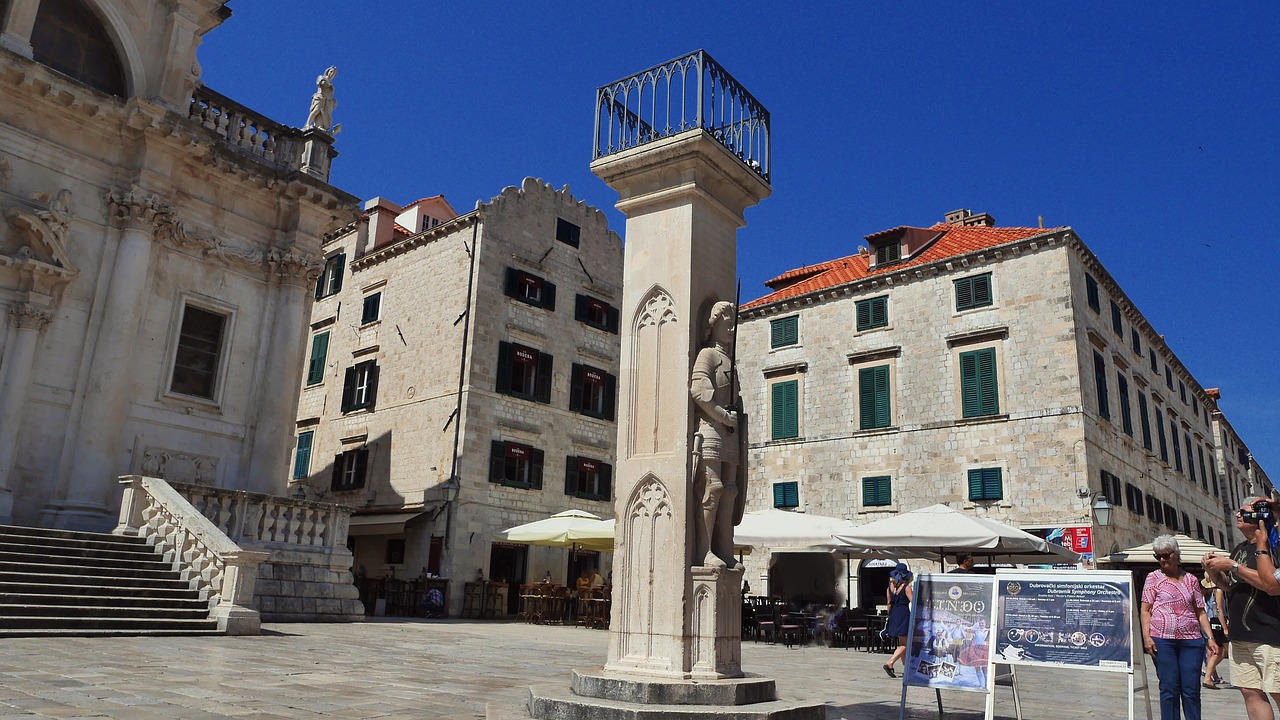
(450, 488)
(1101, 510)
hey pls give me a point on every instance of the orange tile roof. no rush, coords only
(955, 240)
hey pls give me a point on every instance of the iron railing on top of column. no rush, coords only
(689, 92)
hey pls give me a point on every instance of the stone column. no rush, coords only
(26, 320)
(83, 494)
(684, 198)
(276, 413)
(16, 25)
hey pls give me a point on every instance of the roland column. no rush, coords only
(26, 321)
(686, 167)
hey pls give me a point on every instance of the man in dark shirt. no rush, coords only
(1253, 612)
(964, 563)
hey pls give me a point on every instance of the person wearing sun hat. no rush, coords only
(898, 597)
(1214, 601)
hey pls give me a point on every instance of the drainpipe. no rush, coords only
(456, 477)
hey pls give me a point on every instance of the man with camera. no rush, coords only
(1253, 610)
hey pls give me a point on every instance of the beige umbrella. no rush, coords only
(571, 529)
(1190, 551)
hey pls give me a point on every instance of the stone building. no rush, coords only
(158, 249)
(1000, 370)
(462, 380)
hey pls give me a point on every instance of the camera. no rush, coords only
(1261, 513)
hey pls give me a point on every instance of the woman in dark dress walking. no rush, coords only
(898, 597)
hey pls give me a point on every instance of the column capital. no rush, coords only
(29, 316)
(294, 267)
(134, 209)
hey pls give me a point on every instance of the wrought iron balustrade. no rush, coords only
(686, 93)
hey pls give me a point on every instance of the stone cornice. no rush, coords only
(399, 247)
(27, 315)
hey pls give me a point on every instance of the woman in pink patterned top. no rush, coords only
(1175, 631)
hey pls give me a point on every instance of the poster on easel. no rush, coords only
(948, 647)
(1081, 618)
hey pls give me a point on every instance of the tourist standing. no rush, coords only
(898, 597)
(1174, 628)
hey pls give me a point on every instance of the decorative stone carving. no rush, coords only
(133, 209)
(322, 104)
(26, 315)
(652, 344)
(180, 467)
(294, 266)
(719, 481)
(42, 235)
(650, 527)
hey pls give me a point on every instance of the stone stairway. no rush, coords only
(62, 582)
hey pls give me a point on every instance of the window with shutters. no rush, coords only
(1155, 363)
(784, 331)
(530, 289)
(1133, 497)
(1117, 320)
(1186, 524)
(785, 409)
(877, 491)
(786, 494)
(1164, 444)
(1126, 415)
(986, 484)
(595, 313)
(1091, 290)
(873, 398)
(302, 455)
(889, 252)
(330, 281)
(973, 292)
(588, 478)
(360, 388)
(319, 354)
(515, 465)
(979, 388)
(567, 232)
(197, 360)
(1177, 447)
(1111, 488)
(372, 309)
(1170, 517)
(1100, 380)
(1145, 420)
(349, 469)
(1168, 377)
(1136, 341)
(872, 313)
(1182, 391)
(524, 372)
(1191, 468)
(1214, 484)
(593, 392)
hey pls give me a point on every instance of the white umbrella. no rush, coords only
(571, 528)
(1190, 551)
(937, 530)
(773, 528)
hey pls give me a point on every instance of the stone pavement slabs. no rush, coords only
(386, 669)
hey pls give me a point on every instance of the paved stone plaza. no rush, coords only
(450, 669)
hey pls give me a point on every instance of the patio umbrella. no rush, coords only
(1189, 550)
(571, 529)
(935, 531)
(772, 528)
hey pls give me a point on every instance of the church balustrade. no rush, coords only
(246, 131)
(269, 520)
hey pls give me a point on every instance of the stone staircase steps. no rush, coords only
(60, 582)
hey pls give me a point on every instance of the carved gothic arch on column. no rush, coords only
(651, 345)
(648, 528)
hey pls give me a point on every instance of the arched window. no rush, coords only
(70, 38)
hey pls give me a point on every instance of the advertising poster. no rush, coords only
(949, 644)
(1061, 617)
(1077, 538)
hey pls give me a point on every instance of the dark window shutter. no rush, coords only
(336, 482)
(880, 312)
(373, 386)
(340, 262)
(580, 307)
(964, 293)
(542, 383)
(548, 295)
(779, 495)
(320, 284)
(982, 290)
(610, 397)
(867, 399)
(613, 320)
(864, 314)
(988, 391)
(575, 388)
(992, 483)
(497, 461)
(302, 455)
(975, 484)
(319, 353)
(606, 482)
(348, 388)
(509, 286)
(785, 410)
(1145, 420)
(792, 494)
(969, 384)
(570, 473)
(881, 381)
(362, 466)
(1126, 415)
(1100, 379)
(535, 469)
(504, 368)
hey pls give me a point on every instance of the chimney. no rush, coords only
(966, 217)
(382, 220)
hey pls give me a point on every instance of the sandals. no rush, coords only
(888, 669)
(1209, 685)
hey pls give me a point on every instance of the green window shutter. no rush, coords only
(1100, 379)
(876, 491)
(979, 388)
(986, 484)
(873, 396)
(319, 353)
(784, 331)
(1126, 415)
(786, 494)
(1091, 290)
(302, 457)
(973, 292)
(975, 484)
(872, 313)
(863, 311)
(964, 294)
(570, 475)
(786, 410)
(1145, 419)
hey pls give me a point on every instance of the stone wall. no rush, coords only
(307, 586)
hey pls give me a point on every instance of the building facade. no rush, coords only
(1000, 370)
(158, 250)
(462, 380)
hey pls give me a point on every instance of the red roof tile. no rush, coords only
(955, 240)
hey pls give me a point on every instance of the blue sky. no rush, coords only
(1151, 128)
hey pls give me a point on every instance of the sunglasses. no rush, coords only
(1162, 556)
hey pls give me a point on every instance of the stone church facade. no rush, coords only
(158, 251)
(461, 379)
(998, 370)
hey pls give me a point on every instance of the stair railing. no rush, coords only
(219, 569)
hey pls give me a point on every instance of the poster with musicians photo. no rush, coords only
(948, 646)
(1065, 618)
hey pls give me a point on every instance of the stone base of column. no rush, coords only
(716, 625)
(70, 515)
